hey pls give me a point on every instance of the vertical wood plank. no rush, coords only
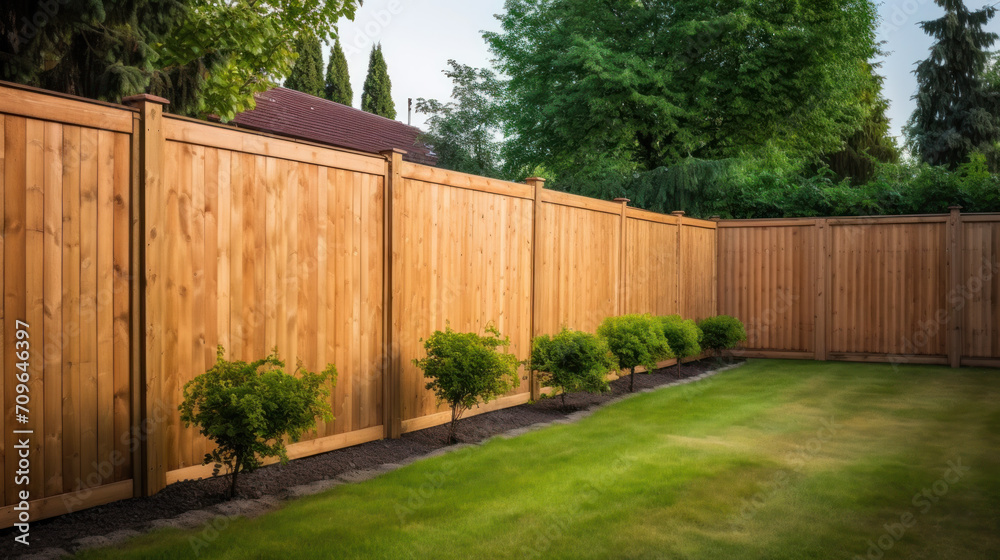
(954, 267)
(88, 304)
(34, 294)
(71, 308)
(15, 304)
(122, 338)
(53, 340)
(105, 305)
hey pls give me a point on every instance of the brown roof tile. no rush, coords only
(300, 115)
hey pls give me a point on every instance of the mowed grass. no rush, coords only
(776, 460)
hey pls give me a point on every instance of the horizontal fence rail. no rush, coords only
(135, 242)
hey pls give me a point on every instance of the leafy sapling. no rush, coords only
(683, 336)
(635, 340)
(722, 332)
(573, 361)
(465, 369)
(248, 409)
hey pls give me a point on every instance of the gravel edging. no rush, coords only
(216, 516)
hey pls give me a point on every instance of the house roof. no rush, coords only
(300, 115)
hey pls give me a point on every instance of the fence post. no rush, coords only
(148, 236)
(957, 303)
(621, 292)
(821, 250)
(680, 262)
(537, 183)
(717, 271)
(391, 401)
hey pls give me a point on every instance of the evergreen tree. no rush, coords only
(338, 79)
(307, 74)
(205, 57)
(957, 113)
(871, 143)
(377, 96)
(87, 48)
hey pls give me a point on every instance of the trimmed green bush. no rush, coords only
(683, 336)
(248, 409)
(573, 361)
(635, 340)
(465, 368)
(722, 332)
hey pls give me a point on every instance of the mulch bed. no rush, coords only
(137, 513)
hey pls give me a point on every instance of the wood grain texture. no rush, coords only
(254, 235)
(577, 281)
(59, 276)
(461, 257)
(764, 279)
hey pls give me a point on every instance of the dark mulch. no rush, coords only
(136, 513)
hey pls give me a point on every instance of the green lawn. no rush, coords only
(776, 460)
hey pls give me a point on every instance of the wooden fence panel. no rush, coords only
(65, 204)
(266, 252)
(888, 289)
(579, 270)
(766, 279)
(462, 255)
(697, 282)
(651, 264)
(980, 292)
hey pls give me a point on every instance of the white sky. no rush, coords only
(419, 36)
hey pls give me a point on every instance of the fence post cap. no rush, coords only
(955, 207)
(134, 100)
(389, 152)
(535, 180)
(625, 200)
(677, 213)
(715, 218)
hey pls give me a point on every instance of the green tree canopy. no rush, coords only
(206, 57)
(307, 73)
(872, 142)
(466, 132)
(626, 85)
(377, 95)
(338, 79)
(957, 111)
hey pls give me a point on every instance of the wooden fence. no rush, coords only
(901, 289)
(134, 243)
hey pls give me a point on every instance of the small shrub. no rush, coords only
(248, 409)
(722, 332)
(573, 361)
(465, 368)
(683, 336)
(635, 340)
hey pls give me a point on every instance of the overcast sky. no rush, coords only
(419, 36)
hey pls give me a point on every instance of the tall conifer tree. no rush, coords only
(338, 79)
(957, 113)
(377, 96)
(307, 74)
